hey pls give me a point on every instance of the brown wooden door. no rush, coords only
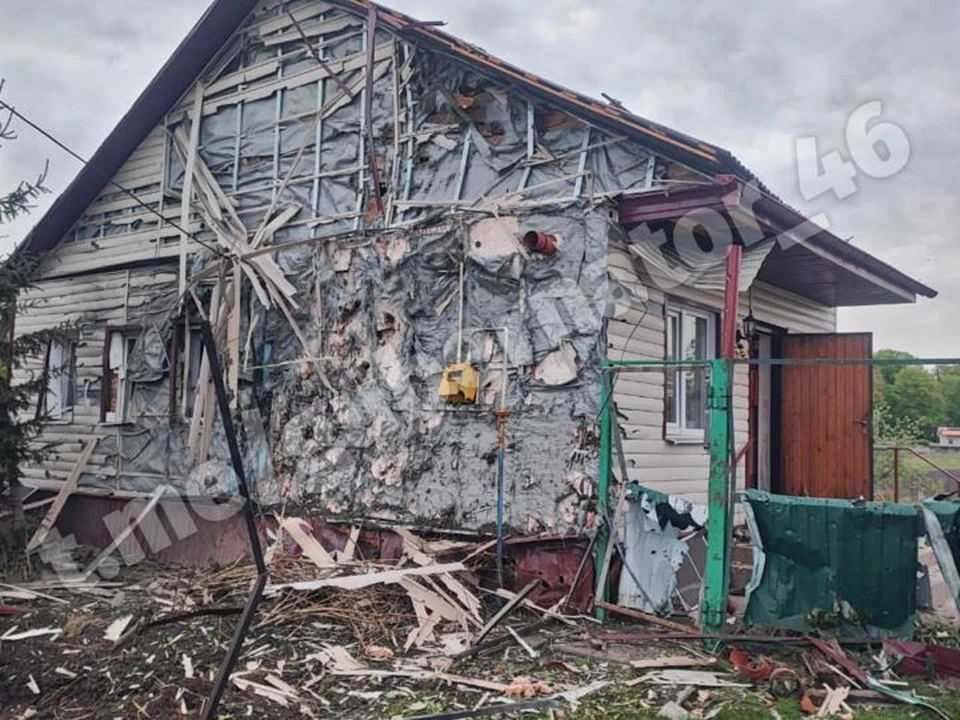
(826, 423)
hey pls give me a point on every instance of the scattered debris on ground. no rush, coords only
(338, 635)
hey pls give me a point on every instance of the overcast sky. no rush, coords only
(750, 77)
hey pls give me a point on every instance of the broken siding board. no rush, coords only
(143, 169)
(341, 66)
(301, 14)
(68, 487)
(151, 197)
(109, 252)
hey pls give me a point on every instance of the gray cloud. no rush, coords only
(748, 77)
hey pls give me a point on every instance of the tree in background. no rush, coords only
(949, 377)
(910, 403)
(20, 200)
(888, 373)
(916, 394)
(21, 400)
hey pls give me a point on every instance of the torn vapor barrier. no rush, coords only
(657, 530)
(383, 442)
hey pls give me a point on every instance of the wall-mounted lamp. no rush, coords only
(749, 327)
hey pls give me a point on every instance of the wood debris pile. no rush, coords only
(342, 635)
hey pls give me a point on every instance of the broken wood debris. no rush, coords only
(646, 617)
(506, 610)
(11, 636)
(69, 485)
(116, 629)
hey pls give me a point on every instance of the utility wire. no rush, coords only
(213, 248)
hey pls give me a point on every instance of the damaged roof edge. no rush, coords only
(224, 17)
(176, 76)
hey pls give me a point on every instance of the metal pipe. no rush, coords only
(236, 459)
(502, 414)
(620, 364)
(932, 464)
(728, 334)
(463, 264)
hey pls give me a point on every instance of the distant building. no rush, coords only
(949, 437)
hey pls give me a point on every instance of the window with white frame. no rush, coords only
(61, 380)
(691, 335)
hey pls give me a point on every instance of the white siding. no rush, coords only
(635, 333)
(137, 233)
(89, 304)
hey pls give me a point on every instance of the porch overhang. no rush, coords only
(806, 259)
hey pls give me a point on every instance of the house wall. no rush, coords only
(337, 391)
(341, 414)
(117, 229)
(84, 307)
(637, 331)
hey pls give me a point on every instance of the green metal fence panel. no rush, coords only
(834, 565)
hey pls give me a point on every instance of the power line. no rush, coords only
(86, 163)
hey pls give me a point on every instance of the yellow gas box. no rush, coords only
(460, 384)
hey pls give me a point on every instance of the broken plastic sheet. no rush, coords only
(832, 564)
(148, 361)
(654, 551)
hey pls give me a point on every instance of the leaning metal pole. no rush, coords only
(226, 667)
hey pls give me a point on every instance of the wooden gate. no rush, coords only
(826, 420)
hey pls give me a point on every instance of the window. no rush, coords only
(61, 380)
(115, 393)
(691, 335)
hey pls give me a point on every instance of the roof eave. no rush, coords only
(729, 195)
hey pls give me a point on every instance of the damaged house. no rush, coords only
(394, 236)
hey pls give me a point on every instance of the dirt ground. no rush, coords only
(175, 627)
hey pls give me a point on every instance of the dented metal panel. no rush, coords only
(834, 565)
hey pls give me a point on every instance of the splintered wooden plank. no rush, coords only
(69, 485)
(357, 582)
(299, 532)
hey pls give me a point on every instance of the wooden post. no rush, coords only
(187, 192)
(722, 484)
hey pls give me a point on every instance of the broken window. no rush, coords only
(115, 396)
(61, 380)
(691, 335)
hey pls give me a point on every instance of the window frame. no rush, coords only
(186, 359)
(65, 377)
(678, 432)
(128, 335)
